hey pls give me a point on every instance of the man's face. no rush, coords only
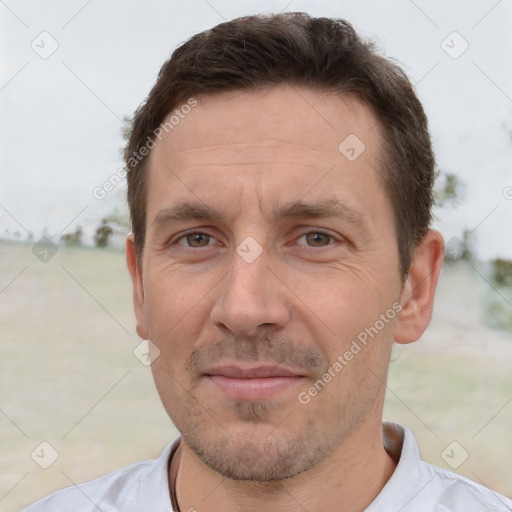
(268, 252)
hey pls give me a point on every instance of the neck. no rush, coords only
(352, 476)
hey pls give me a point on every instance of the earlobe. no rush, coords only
(419, 289)
(135, 270)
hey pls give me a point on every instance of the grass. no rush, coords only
(68, 376)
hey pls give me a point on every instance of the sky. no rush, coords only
(70, 71)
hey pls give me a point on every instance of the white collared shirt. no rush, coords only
(415, 486)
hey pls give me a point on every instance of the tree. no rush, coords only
(448, 189)
(467, 250)
(126, 127)
(74, 238)
(103, 233)
(502, 272)
(118, 221)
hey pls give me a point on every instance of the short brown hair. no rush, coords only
(294, 48)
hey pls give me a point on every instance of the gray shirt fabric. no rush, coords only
(415, 486)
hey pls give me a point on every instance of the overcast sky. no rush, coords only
(71, 70)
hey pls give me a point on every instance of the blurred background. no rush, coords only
(76, 394)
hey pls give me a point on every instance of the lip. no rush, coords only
(257, 372)
(257, 383)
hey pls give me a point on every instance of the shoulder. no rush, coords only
(456, 493)
(417, 486)
(125, 489)
(89, 495)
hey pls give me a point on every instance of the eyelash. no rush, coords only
(316, 232)
(190, 233)
(313, 231)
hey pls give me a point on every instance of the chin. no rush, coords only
(258, 453)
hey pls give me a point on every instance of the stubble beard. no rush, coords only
(268, 444)
(259, 454)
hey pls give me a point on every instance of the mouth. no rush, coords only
(256, 383)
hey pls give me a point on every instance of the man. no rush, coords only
(280, 186)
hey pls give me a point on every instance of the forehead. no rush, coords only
(289, 114)
(280, 143)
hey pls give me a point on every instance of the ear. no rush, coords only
(138, 286)
(417, 297)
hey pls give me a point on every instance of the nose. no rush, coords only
(251, 299)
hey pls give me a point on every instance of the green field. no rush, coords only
(68, 376)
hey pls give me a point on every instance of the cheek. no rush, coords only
(342, 302)
(351, 318)
(358, 366)
(175, 312)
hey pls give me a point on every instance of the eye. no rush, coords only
(195, 239)
(316, 239)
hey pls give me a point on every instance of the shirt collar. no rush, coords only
(398, 441)
(156, 484)
(401, 446)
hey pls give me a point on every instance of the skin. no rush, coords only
(299, 305)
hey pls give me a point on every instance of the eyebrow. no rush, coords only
(186, 211)
(329, 208)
